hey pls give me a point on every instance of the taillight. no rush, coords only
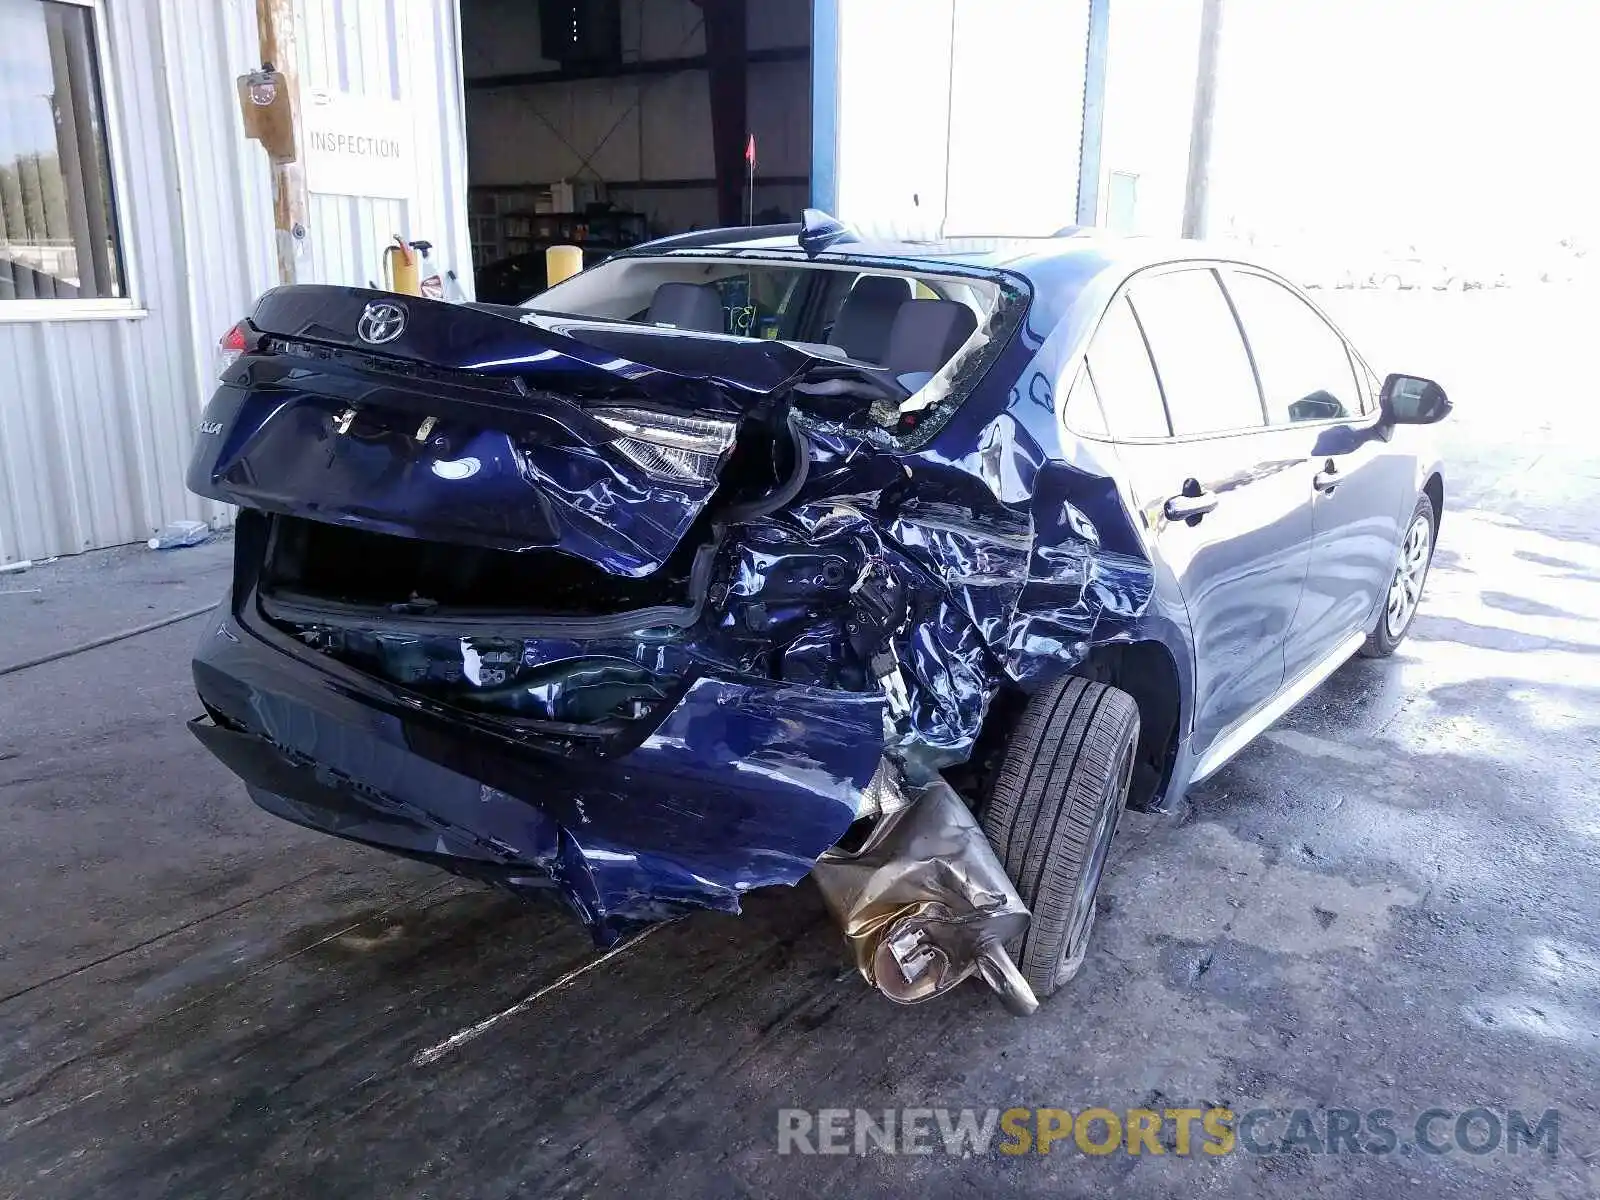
(667, 446)
(230, 348)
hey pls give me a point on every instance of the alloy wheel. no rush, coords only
(1409, 574)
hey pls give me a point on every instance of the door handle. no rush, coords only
(1326, 479)
(1190, 507)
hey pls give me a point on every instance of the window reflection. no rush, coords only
(58, 237)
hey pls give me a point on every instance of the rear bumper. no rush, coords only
(741, 785)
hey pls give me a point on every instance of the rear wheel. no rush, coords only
(1405, 586)
(1051, 814)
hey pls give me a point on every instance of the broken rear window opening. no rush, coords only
(895, 352)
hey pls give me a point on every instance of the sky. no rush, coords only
(1409, 122)
(27, 124)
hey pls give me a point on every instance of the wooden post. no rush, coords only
(276, 24)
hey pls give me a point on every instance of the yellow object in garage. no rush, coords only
(562, 262)
(400, 265)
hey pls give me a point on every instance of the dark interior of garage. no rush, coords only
(603, 123)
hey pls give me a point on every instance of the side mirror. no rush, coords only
(1412, 400)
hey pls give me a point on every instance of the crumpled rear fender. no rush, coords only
(1016, 562)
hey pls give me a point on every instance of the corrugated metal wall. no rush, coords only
(97, 417)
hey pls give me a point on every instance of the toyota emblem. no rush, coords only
(381, 322)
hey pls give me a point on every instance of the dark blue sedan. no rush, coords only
(755, 554)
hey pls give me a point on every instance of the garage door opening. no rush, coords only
(604, 123)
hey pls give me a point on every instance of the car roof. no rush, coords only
(1087, 252)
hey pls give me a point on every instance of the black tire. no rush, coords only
(1386, 635)
(1052, 811)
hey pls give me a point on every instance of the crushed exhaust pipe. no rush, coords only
(924, 903)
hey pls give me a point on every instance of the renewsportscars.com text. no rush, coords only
(1202, 1130)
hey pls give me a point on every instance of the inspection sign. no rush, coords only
(358, 145)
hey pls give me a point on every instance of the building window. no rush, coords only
(1122, 202)
(58, 227)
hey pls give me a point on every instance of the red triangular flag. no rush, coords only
(750, 150)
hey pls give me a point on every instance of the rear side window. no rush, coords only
(1084, 413)
(1199, 354)
(1121, 374)
(1304, 365)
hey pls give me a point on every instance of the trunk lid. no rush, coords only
(487, 426)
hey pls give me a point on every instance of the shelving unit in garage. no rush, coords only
(510, 221)
(512, 227)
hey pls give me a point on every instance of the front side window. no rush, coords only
(58, 229)
(1200, 357)
(1304, 366)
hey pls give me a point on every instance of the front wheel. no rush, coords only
(1405, 586)
(1051, 814)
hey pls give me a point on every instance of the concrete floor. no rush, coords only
(1390, 901)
